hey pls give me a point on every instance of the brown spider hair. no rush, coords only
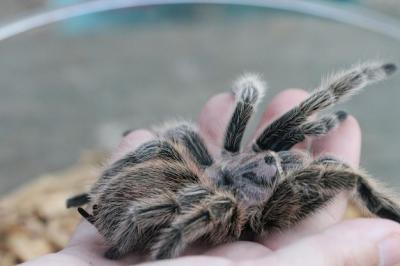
(170, 191)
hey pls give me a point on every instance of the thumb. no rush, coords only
(367, 242)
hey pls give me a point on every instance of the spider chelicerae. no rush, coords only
(170, 191)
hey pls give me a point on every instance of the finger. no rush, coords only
(223, 255)
(86, 234)
(367, 242)
(87, 245)
(59, 259)
(239, 250)
(192, 261)
(344, 142)
(131, 142)
(214, 119)
(279, 105)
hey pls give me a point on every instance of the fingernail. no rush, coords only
(389, 250)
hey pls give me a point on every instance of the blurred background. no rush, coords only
(73, 86)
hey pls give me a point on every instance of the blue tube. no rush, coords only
(362, 18)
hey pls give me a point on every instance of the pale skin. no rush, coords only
(323, 239)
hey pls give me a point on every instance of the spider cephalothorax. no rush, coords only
(170, 192)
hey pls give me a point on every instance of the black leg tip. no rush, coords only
(69, 204)
(160, 256)
(112, 254)
(341, 115)
(126, 132)
(389, 68)
(86, 215)
(78, 200)
(83, 213)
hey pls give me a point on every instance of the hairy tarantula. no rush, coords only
(170, 192)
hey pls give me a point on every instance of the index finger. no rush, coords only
(131, 142)
(343, 143)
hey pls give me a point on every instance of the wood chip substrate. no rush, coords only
(34, 220)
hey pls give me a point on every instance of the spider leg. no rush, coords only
(316, 128)
(248, 90)
(337, 87)
(329, 160)
(375, 199)
(78, 200)
(217, 217)
(88, 217)
(139, 224)
(155, 149)
(186, 134)
(134, 205)
(369, 195)
(166, 148)
(145, 217)
(308, 190)
(297, 196)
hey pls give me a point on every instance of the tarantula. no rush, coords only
(170, 192)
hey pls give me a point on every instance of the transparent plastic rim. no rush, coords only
(344, 13)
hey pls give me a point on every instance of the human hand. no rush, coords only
(322, 239)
